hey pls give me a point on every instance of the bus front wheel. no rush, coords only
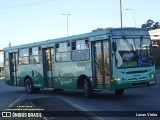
(87, 88)
(119, 92)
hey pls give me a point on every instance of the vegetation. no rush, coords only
(150, 25)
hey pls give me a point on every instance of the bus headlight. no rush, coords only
(117, 79)
(152, 76)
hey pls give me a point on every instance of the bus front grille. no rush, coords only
(136, 84)
(132, 79)
(135, 72)
(141, 78)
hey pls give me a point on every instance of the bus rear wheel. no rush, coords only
(28, 85)
(87, 88)
(119, 92)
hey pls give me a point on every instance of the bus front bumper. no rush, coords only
(121, 84)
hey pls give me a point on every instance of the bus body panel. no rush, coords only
(64, 78)
(7, 75)
(32, 71)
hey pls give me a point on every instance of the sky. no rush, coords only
(27, 21)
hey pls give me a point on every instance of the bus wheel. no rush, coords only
(87, 89)
(119, 92)
(28, 85)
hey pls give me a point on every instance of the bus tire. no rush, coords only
(119, 92)
(28, 86)
(87, 88)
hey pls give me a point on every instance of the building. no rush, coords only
(1, 64)
(155, 37)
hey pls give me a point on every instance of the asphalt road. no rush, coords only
(143, 100)
(9, 95)
(139, 99)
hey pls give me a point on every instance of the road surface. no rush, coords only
(143, 100)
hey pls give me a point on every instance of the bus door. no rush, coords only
(101, 63)
(48, 66)
(13, 67)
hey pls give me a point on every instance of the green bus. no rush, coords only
(110, 59)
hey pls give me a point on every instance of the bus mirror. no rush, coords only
(114, 47)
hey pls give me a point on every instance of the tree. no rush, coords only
(143, 26)
(156, 25)
(150, 25)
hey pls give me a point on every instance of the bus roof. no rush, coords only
(74, 37)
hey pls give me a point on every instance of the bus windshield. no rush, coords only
(133, 52)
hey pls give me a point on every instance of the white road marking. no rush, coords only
(12, 104)
(79, 107)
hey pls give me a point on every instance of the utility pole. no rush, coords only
(121, 13)
(67, 14)
(133, 16)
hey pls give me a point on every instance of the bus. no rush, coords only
(111, 59)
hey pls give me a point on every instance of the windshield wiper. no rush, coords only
(140, 45)
(130, 46)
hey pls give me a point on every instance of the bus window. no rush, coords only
(35, 55)
(73, 45)
(82, 44)
(57, 47)
(23, 56)
(63, 47)
(63, 52)
(82, 50)
(6, 59)
(69, 46)
(78, 45)
(86, 44)
(52, 58)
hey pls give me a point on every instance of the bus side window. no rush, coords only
(69, 46)
(86, 44)
(63, 47)
(35, 55)
(57, 47)
(6, 58)
(63, 53)
(78, 45)
(81, 50)
(23, 56)
(73, 45)
(82, 44)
